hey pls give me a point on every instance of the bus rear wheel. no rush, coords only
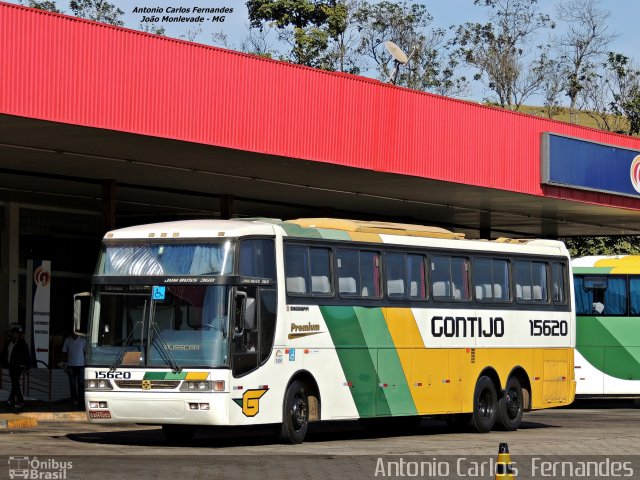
(484, 405)
(295, 417)
(510, 406)
(178, 434)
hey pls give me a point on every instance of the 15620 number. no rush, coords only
(549, 328)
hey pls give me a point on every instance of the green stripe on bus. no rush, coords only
(591, 270)
(154, 375)
(355, 359)
(611, 345)
(175, 376)
(331, 234)
(294, 230)
(395, 389)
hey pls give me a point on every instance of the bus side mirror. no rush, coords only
(240, 306)
(80, 322)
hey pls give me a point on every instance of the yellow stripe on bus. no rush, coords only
(197, 376)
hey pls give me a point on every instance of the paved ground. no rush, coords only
(341, 449)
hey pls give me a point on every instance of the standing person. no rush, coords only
(75, 348)
(16, 356)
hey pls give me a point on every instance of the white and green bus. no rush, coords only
(245, 322)
(607, 360)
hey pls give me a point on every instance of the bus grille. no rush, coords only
(155, 384)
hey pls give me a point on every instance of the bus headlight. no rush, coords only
(99, 385)
(196, 386)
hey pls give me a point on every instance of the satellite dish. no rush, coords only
(396, 52)
(399, 58)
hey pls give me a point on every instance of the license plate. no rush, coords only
(99, 414)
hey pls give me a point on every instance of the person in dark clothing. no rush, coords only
(16, 356)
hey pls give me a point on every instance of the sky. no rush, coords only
(623, 21)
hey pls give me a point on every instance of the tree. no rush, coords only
(408, 26)
(552, 86)
(342, 53)
(584, 44)
(625, 80)
(152, 28)
(500, 48)
(97, 10)
(305, 25)
(583, 246)
(48, 5)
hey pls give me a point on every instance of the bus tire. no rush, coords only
(295, 414)
(510, 406)
(484, 405)
(178, 434)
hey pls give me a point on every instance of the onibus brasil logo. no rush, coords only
(634, 173)
(40, 469)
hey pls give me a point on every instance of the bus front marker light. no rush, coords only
(203, 385)
(204, 406)
(218, 386)
(193, 406)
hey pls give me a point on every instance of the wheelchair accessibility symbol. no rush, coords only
(158, 293)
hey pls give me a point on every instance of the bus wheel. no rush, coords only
(484, 405)
(295, 418)
(178, 434)
(510, 405)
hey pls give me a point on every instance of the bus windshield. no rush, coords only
(186, 325)
(148, 259)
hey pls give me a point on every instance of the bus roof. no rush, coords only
(193, 229)
(333, 229)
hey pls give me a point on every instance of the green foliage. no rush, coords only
(498, 49)
(97, 10)
(307, 25)
(626, 91)
(47, 5)
(583, 246)
(408, 26)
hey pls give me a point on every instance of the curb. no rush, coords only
(13, 421)
(56, 416)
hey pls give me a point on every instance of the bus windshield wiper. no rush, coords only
(123, 351)
(163, 349)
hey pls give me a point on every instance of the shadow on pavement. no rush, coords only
(605, 403)
(223, 437)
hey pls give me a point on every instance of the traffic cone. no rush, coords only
(504, 466)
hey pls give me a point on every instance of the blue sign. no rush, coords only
(158, 293)
(292, 354)
(575, 163)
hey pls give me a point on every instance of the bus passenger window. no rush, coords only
(320, 260)
(531, 281)
(557, 278)
(450, 277)
(296, 269)
(395, 273)
(358, 273)
(416, 276)
(491, 280)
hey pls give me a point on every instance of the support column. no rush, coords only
(10, 264)
(226, 207)
(485, 225)
(108, 205)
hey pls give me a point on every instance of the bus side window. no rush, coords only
(296, 269)
(558, 280)
(257, 258)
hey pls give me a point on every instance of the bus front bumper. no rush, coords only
(211, 408)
